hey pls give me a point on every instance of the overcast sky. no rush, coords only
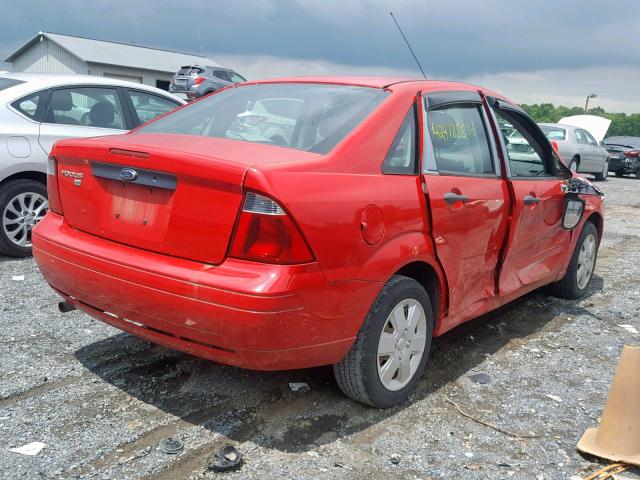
(531, 51)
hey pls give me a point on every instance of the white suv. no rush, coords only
(38, 109)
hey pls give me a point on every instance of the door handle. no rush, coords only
(452, 198)
(530, 200)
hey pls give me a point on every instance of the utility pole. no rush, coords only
(586, 104)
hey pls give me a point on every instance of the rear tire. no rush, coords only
(619, 173)
(23, 203)
(369, 375)
(602, 176)
(574, 284)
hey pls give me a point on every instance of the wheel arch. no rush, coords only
(427, 276)
(26, 175)
(598, 221)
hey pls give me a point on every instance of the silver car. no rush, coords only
(38, 109)
(578, 148)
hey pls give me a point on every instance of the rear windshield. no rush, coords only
(554, 133)
(190, 71)
(307, 117)
(624, 142)
(8, 83)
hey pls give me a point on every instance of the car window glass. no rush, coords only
(87, 106)
(235, 77)
(460, 141)
(307, 117)
(149, 106)
(525, 154)
(581, 137)
(401, 157)
(221, 74)
(28, 105)
(590, 139)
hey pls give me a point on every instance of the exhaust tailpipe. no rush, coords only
(66, 307)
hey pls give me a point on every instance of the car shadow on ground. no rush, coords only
(254, 406)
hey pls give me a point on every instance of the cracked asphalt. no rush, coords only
(102, 400)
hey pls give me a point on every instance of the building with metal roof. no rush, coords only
(55, 53)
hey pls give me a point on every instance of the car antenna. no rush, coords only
(408, 45)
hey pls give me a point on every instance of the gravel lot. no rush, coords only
(102, 400)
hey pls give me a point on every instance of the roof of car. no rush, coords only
(623, 138)
(38, 81)
(382, 82)
(213, 67)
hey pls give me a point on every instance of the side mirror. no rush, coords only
(573, 210)
(602, 144)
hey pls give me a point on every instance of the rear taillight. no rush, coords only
(198, 80)
(265, 233)
(632, 153)
(55, 205)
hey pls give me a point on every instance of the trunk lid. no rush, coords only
(173, 194)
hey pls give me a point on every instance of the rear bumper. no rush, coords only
(258, 316)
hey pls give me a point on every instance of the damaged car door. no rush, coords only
(467, 196)
(536, 248)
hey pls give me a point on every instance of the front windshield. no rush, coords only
(309, 117)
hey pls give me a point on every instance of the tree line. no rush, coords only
(621, 123)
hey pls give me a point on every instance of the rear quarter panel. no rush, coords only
(327, 198)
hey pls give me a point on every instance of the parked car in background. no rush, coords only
(624, 155)
(268, 120)
(390, 215)
(38, 109)
(579, 149)
(195, 81)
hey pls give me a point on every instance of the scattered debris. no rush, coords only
(31, 449)
(554, 397)
(171, 445)
(395, 459)
(473, 466)
(487, 424)
(299, 387)
(17, 278)
(630, 329)
(608, 472)
(227, 458)
(342, 465)
(481, 378)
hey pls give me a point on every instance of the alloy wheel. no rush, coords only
(586, 261)
(21, 214)
(401, 344)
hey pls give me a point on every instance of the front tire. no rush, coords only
(390, 353)
(619, 173)
(573, 165)
(23, 203)
(576, 280)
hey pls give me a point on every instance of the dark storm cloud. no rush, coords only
(452, 38)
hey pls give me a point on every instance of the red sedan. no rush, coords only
(317, 221)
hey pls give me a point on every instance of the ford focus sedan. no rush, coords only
(391, 213)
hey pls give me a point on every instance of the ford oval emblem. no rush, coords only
(128, 174)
